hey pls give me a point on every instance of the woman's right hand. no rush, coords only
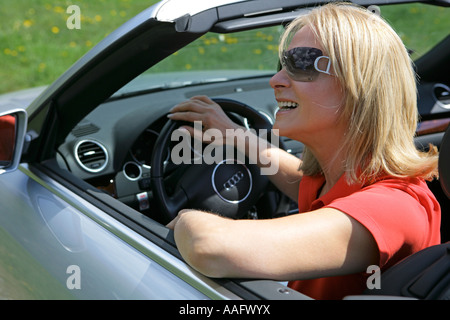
(207, 112)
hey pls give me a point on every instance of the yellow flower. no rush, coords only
(55, 30)
(42, 67)
(7, 51)
(257, 51)
(59, 9)
(88, 43)
(231, 40)
(188, 66)
(27, 23)
(72, 44)
(98, 18)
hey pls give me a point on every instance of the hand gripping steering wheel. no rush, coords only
(229, 187)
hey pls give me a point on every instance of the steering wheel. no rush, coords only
(230, 187)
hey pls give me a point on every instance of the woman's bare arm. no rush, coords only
(321, 243)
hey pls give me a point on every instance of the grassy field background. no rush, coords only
(36, 46)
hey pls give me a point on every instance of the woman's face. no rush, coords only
(315, 115)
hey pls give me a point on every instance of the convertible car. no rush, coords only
(88, 182)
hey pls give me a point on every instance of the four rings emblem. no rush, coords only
(234, 180)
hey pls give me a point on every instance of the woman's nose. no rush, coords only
(280, 79)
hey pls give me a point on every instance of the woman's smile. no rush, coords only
(285, 107)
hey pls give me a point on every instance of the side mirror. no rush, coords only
(13, 125)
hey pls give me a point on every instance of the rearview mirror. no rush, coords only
(13, 125)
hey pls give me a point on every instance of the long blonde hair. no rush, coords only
(377, 76)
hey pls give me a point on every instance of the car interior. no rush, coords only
(104, 138)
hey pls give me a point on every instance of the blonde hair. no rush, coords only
(377, 76)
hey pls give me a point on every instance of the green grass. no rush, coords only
(252, 50)
(36, 46)
(419, 26)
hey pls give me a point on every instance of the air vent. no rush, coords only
(91, 155)
(442, 95)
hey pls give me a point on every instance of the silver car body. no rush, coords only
(74, 250)
(56, 245)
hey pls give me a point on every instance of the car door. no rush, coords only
(54, 245)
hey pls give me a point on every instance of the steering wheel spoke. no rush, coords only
(177, 201)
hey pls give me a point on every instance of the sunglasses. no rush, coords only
(302, 63)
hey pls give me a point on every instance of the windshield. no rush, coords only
(419, 26)
(221, 57)
(251, 50)
(213, 58)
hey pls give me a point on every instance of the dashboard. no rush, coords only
(112, 146)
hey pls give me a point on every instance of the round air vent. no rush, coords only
(442, 95)
(91, 155)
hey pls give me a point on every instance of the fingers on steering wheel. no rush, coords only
(197, 104)
(198, 108)
(204, 99)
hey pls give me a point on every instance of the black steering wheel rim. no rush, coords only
(196, 195)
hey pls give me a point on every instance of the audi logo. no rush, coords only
(233, 181)
(239, 174)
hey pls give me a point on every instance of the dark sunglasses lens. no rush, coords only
(299, 63)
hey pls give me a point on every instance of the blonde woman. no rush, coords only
(346, 90)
